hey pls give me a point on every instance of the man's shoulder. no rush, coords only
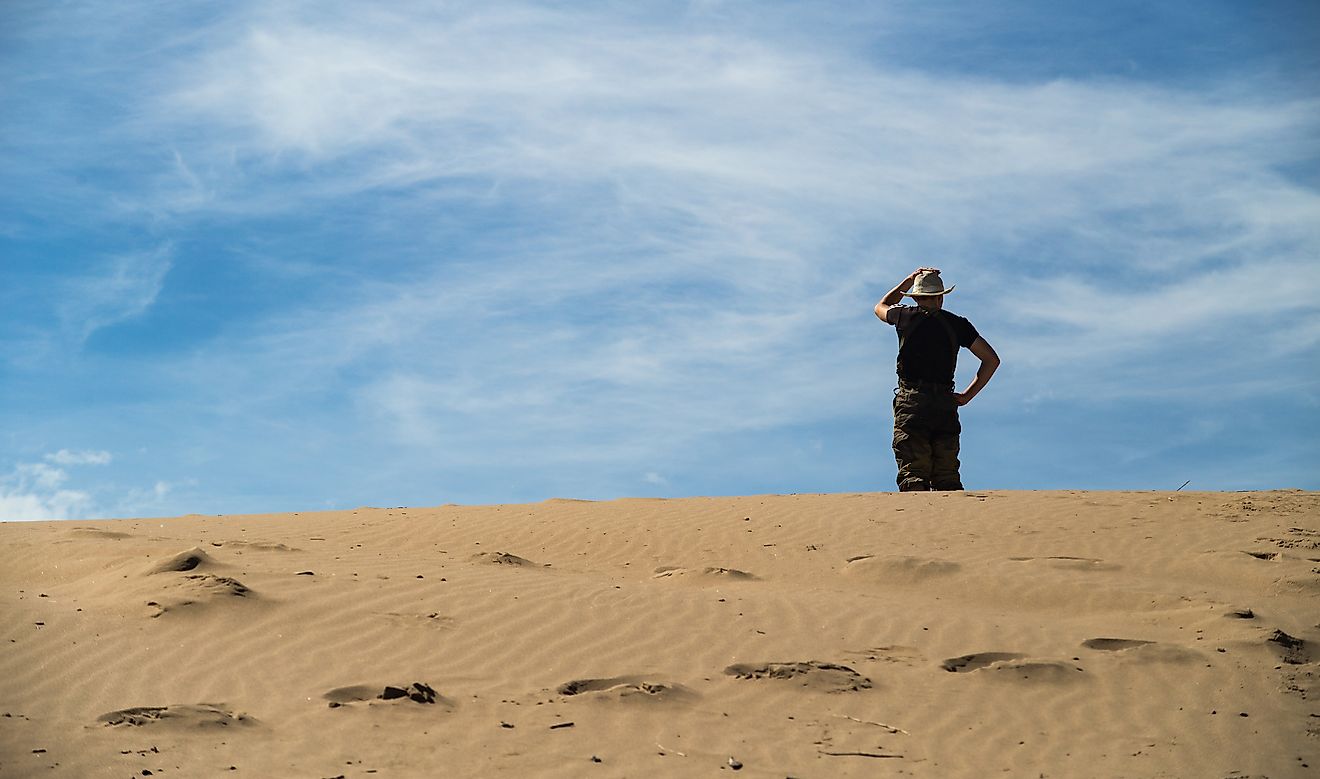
(898, 314)
(958, 317)
(967, 330)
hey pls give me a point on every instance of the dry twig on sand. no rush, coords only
(889, 728)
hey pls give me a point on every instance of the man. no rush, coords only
(926, 426)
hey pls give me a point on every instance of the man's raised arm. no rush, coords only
(895, 295)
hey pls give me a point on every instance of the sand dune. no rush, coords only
(961, 634)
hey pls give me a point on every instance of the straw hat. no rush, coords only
(928, 285)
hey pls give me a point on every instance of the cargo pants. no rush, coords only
(926, 430)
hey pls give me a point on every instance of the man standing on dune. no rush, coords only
(926, 425)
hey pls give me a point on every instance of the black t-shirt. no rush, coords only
(926, 351)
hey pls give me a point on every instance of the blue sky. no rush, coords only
(278, 256)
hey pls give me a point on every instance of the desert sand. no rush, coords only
(1056, 634)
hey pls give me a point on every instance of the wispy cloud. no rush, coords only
(115, 290)
(781, 185)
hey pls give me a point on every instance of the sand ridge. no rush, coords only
(955, 634)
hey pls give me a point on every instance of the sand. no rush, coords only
(1056, 634)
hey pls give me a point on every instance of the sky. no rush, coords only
(290, 255)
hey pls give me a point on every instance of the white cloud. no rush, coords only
(84, 457)
(38, 490)
(62, 504)
(33, 491)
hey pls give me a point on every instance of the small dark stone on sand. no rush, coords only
(391, 693)
(305, 573)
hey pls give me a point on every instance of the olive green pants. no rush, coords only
(926, 430)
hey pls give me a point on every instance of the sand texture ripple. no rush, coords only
(968, 634)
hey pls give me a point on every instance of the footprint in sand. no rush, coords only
(898, 569)
(417, 692)
(505, 558)
(197, 589)
(1013, 666)
(1144, 651)
(967, 663)
(1267, 556)
(729, 574)
(812, 674)
(96, 532)
(218, 586)
(199, 715)
(1070, 563)
(187, 560)
(1292, 650)
(1114, 644)
(263, 546)
(195, 586)
(626, 688)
